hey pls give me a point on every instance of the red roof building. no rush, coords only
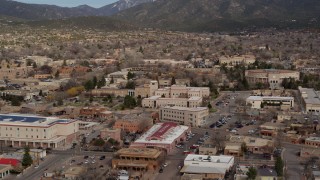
(8, 161)
(165, 135)
(165, 127)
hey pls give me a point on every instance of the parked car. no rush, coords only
(160, 170)
(102, 157)
(234, 131)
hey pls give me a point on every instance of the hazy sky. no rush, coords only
(70, 3)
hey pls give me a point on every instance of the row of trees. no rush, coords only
(15, 100)
(94, 82)
(279, 165)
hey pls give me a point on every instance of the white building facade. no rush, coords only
(258, 102)
(35, 131)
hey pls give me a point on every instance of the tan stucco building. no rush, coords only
(137, 159)
(258, 102)
(273, 77)
(182, 91)
(36, 131)
(183, 115)
(310, 99)
(147, 90)
(158, 101)
(133, 123)
(112, 91)
(237, 60)
(14, 72)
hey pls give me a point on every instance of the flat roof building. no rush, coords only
(208, 166)
(183, 115)
(138, 159)
(258, 102)
(158, 101)
(273, 77)
(310, 99)
(5, 171)
(237, 60)
(134, 123)
(313, 141)
(36, 131)
(164, 136)
(254, 145)
(176, 91)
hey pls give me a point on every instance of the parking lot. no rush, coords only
(99, 164)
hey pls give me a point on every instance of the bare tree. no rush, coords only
(279, 138)
(219, 140)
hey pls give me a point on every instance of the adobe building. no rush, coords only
(310, 99)
(107, 133)
(195, 116)
(273, 77)
(133, 123)
(138, 159)
(95, 112)
(237, 60)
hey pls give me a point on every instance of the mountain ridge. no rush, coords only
(198, 15)
(182, 15)
(43, 11)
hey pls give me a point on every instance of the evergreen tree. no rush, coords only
(29, 62)
(34, 65)
(130, 75)
(279, 166)
(101, 82)
(57, 74)
(88, 85)
(130, 85)
(64, 63)
(139, 100)
(94, 82)
(112, 80)
(27, 159)
(40, 92)
(252, 173)
(99, 142)
(141, 49)
(244, 147)
(209, 106)
(15, 101)
(173, 80)
(129, 102)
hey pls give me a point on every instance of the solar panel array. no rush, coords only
(14, 118)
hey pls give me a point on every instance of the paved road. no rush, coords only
(35, 174)
(294, 169)
(57, 158)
